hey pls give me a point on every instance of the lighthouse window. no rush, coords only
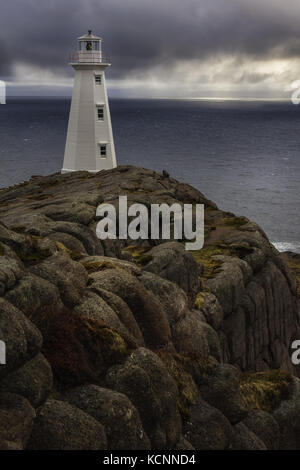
(98, 79)
(100, 112)
(103, 150)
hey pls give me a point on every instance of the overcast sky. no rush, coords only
(158, 48)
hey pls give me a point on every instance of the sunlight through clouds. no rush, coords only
(162, 48)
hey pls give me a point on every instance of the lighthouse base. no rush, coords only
(65, 170)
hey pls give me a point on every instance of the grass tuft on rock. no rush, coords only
(197, 366)
(211, 266)
(234, 222)
(34, 254)
(188, 370)
(199, 301)
(187, 389)
(139, 254)
(95, 266)
(74, 255)
(265, 390)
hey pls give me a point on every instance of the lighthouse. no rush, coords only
(90, 142)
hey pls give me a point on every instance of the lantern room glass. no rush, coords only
(89, 45)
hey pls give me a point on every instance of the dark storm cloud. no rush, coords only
(140, 34)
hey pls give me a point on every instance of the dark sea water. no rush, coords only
(243, 155)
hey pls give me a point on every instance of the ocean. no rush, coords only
(244, 155)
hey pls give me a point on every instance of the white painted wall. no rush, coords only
(85, 131)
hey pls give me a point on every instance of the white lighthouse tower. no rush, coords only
(90, 142)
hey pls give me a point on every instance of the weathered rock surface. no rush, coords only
(145, 307)
(33, 381)
(147, 383)
(16, 421)
(22, 339)
(265, 427)
(244, 439)
(207, 428)
(60, 426)
(123, 344)
(171, 261)
(114, 410)
(222, 390)
(68, 276)
(287, 416)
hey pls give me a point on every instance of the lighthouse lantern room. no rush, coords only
(90, 143)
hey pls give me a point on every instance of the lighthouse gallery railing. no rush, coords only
(89, 57)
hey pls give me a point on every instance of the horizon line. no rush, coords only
(204, 98)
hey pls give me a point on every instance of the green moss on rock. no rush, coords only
(187, 389)
(188, 371)
(234, 222)
(95, 266)
(2, 250)
(81, 349)
(265, 390)
(139, 253)
(74, 255)
(211, 266)
(35, 254)
(199, 301)
(197, 366)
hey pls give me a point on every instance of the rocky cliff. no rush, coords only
(121, 345)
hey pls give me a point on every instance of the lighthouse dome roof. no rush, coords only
(90, 36)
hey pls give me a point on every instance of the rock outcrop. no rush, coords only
(115, 344)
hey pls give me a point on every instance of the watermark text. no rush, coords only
(2, 352)
(2, 92)
(161, 222)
